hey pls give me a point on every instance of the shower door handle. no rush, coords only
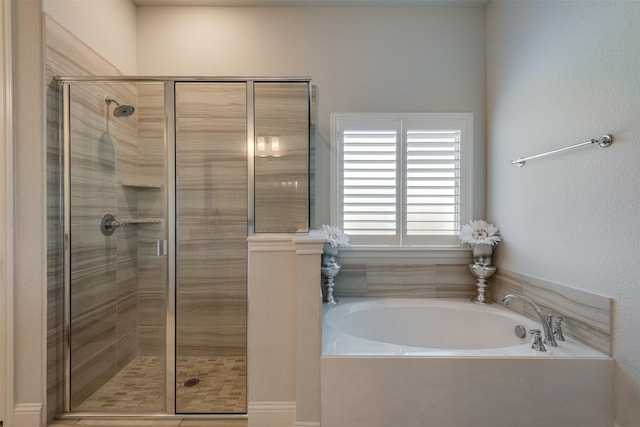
(161, 247)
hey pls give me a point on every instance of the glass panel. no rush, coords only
(117, 215)
(281, 156)
(211, 230)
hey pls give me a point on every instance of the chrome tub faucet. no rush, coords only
(545, 319)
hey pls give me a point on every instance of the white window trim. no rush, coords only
(452, 250)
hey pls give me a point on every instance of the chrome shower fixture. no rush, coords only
(123, 110)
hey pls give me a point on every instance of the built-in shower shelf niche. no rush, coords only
(141, 185)
(141, 221)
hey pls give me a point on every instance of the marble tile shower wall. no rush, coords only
(103, 268)
(116, 279)
(211, 195)
(65, 55)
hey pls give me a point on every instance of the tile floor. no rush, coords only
(139, 387)
(150, 423)
(222, 386)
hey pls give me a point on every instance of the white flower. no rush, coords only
(335, 236)
(479, 232)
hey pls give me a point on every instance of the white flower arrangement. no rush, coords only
(335, 236)
(479, 231)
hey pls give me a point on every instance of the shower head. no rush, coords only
(123, 110)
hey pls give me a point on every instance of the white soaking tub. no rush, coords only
(449, 363)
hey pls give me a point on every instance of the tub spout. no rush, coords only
(545, 319)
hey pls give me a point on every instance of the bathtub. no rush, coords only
(449, 363)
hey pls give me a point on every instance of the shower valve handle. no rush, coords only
(108, 224)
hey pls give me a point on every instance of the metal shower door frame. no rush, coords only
(169, 155)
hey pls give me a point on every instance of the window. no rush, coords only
(400, 179)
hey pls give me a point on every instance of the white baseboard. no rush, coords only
(272, 414)
(28, 415)
(307, 424)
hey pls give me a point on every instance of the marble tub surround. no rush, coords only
(392, 279)
(587, 316)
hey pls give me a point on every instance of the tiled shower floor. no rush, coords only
(139, 387)
(222, 386)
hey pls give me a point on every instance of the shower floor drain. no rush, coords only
(191, 382)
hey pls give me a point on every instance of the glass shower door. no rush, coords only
(211, 234)
(115, 218)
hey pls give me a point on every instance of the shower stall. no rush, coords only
(163, 181)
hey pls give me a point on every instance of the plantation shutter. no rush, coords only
(432, 201)
(400, 180)
(370, 179)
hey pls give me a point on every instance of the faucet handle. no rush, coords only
(548, 331)
(557, 329)
(537, 344)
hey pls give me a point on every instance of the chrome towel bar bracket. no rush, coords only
(604, 141)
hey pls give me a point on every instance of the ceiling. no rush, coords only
(273, 3)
